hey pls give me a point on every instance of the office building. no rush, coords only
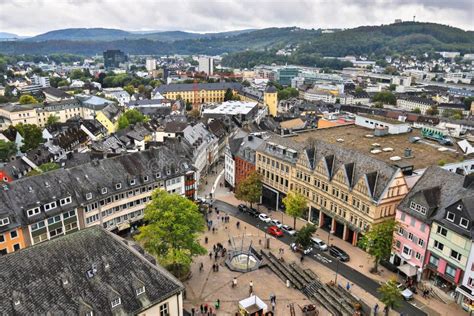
(206, 65)
(114, 58)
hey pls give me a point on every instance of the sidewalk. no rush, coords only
(360, 261)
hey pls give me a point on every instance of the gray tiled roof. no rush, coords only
(52, 278)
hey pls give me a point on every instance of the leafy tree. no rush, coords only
(228, 95)
(378, 241)
(359, 90)
(27, 99)
(432, 110)
(32, 136)
(123, 122)
(390, 294)
(63, 83)
(48, 166)
(295, 205)
(378, 105)
(416, 111)
(7, 149)
(245, 83)
(392, 87)
(130, 89)
(386, 97)
(287, 93)
(250, 189)
(194, 113)
(189, 106)
(303, 236)
(52, 119)
(172, 226)
(467, 102)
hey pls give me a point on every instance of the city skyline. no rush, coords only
(217, 16)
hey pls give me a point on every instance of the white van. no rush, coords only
(319, 244)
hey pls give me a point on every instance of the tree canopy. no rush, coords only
(48, 166)
(32, 135)
(303, 236)
(385, 97)
(130, 117)
(250, 189)
(295, 205)
(390, 294)
(7, 149)
(52, 119)
(378, 241)
(27, 99)
(172, 226)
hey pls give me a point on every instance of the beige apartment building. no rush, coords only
(347, 191)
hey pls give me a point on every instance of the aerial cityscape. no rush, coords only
(241, 158)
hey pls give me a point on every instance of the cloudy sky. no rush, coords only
(31, 17)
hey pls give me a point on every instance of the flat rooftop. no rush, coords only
(382, 119)
(231, 108)
(424, 153)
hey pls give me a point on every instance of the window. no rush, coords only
(116, 302)
(16, 247)
(423, 227)
(164, 309)
(398, 244)
(407, 250)
(450, 216)
(145, 178)
(13, 234)
(4, 221)
(464, 222)
(417, 208)
(442, 231)
(402, 217)
(104, 191)
(401, 231)
(421, 242)
(438, 245)
(456, 255)
(412, 222)
(69, 214)
(118, 186)
(434, 261)
(65, 201)
(37, 226)
(418, 256)
(54, 219)
(140, 290)
(88, 196)
(90, 313)
(56, 232)
(410, 236)
(450, 271)
(2, 238)
(33, 211)
(50, 206)
(132, 182)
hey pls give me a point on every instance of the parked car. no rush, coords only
(287, 229)
(319, 244)
(253, 212)
(406, 292)
(243, 208)
(274, 231)
(298, 248)
(338, 253)
(264, 218)
(276, 222)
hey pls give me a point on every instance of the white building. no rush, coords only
(412, 103)
(206, 64)
(376, 122)
(150, 64)
(42, 81)
(118, 94)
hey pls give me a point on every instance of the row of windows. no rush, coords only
(52, 220)
(113, 222)
(273, 163)
(49, 206)
(13, 235)
(408, 252)
(270, 176)
(450, 270)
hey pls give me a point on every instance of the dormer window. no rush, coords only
(50, 206)
(158, 175)
(65, 201)
(4, 221)
(450, 216)
(459, 208)
(116, 302)
(145, 178)
(104, 191)
(464, 223)
(90, 313)
(33, 211)
(118, 186)
(418, 208)
(140, 290)
(88, 196)
(132, 182)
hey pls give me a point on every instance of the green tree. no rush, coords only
(303, 236)
(48, 166)
(386, 97)
(27, 99)
(123, 122)
(390, 294)
(134, 116)
(228, 95)
(416, 111)
(172, 226)
(359, 90)
(295, 205)
(63, 83)
(378, 105)
(7, 149)
(52, 119)
(250, 189)
(32, 136)
(189, 106)
(467, 102)
(378, 241)
(130, 89)
(432, 111)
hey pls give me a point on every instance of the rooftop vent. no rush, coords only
(92, 271)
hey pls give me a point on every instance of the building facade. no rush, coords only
(200, 93)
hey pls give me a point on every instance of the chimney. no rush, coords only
(468, 180)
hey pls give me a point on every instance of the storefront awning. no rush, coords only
(465, 292)
(408, 270)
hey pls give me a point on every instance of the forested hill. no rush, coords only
(408, 37)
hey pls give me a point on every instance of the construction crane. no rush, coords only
(196, 94)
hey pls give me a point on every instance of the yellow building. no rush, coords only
(20, 113)
(205, 92)
(108, 117)
(270, 99)
(347, 191)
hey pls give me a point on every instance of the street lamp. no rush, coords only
(337, 270)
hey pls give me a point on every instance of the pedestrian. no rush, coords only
(302, 258)
(223, 219)
(237, 224)
(192, 311)
(201, 267)
(214, 247)
(217, 304)
(210, 311)
(234, 282)
(201, 308)
(385, 310)
(205, 308)
(206, 240)
(213, 230)
(348, 286)
(216, 255)
(229, 242)
(251, 287)
(217, 267)
(376, 309)
(273, 306)
(210, 255)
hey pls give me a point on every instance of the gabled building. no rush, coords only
(108, 117)
(415, 215)
(245, 158)
(451, 238)
(90, 272)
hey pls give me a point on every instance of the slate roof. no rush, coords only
(58, 93)
(112, 112)
(178, 87)
(437, 186)
(52, 277)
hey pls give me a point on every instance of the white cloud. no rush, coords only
(30, 17)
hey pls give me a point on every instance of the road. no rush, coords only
(348, 272)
